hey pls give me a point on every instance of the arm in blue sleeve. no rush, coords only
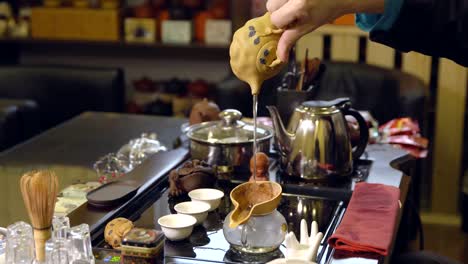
(370, 22)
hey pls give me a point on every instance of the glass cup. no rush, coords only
(20, 244)
(60, 227)
(58, 251)
(111, 167)
(49, 247)
(80, 243)
(3, 238)
(139, 149)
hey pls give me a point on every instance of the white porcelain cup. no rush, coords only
(198, 210)
(177, 226)
(206, 195)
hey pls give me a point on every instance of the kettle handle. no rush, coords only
(363, 132)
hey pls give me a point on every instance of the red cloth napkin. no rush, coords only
(369, 221)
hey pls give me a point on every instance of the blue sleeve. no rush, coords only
(370, 22)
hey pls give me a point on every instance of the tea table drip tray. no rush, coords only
(207, 242)
(323, 202)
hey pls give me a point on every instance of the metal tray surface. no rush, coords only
(319, 201)
(207, 242)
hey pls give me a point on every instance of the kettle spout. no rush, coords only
(283, 137)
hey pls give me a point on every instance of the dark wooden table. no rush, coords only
(71, 149)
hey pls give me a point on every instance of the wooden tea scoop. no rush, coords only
(303, 72)
(253, 52)
(315, 70)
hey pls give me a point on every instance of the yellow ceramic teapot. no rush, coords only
(253, 52)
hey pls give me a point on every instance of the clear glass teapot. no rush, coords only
(255, 226)
(260, 234)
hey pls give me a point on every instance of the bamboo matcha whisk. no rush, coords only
(39, 190)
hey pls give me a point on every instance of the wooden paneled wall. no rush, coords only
(450, 104)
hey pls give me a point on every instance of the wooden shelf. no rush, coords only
(121, 48)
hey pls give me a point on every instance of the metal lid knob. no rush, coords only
(230, 116)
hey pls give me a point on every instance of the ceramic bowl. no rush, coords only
(177, 226)
(206, 195)
(198, 210)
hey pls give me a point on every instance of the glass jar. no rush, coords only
(260, 234)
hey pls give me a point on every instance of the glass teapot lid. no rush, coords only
(229, 130)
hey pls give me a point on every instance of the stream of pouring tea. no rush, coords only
(254, 110)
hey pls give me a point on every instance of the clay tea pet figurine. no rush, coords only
(192, 175)
(263, 165)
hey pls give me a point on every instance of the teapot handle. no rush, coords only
(363, 132)
(246, 232)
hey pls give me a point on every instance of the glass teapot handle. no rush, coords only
(363, 131)
(246, 231)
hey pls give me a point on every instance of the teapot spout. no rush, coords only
(239, 216)
(283, 137)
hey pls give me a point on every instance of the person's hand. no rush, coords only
(300, 17)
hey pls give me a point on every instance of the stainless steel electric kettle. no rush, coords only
(316, 143)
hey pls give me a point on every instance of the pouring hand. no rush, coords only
(307, 248)
(299, 17)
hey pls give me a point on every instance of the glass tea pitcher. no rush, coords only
(255, 226)
(260, 234)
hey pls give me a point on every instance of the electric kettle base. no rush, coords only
(359, 173)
